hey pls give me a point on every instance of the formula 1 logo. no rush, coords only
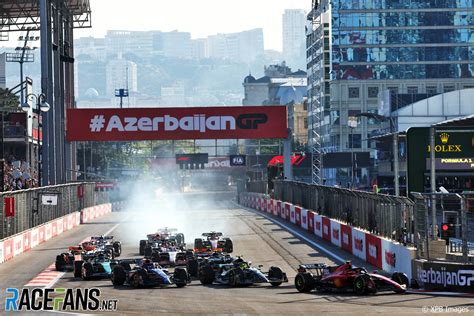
(335, 234)
(390, 258)
(359, 244)
(373, 251)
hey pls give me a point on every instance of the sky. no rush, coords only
(199, 17)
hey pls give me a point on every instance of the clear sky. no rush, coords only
(199, 17)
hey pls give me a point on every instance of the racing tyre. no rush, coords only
(117, 249)
(180, 277)
(198, 244)
(361, 284)
(402, 279)
(78, 268)
(142, 247)
(87, 271)
(277, 274)
(206, 275)
(235, 276)
(60, 263)
(193, 267)
(228, 246)
(148, 252)
(138, 279)
(118, 276)
(304, 282)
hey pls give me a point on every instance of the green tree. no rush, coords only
(8, 100)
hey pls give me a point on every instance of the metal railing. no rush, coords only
(29, 211)
(384, 215)
(455, 211)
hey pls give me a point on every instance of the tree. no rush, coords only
(8, 100)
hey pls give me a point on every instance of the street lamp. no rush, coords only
(41, 106)
(352, 123)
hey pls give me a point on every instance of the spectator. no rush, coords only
(17, 175)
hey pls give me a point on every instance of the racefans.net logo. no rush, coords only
(60, 299)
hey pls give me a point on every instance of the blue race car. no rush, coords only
(145, 273)
(98, 266)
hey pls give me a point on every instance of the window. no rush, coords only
(355, 141)
(431, 90)
(412, 90)
(373, 92)
(353, 92)
(393, 90)
(448, 88)
(305, 122)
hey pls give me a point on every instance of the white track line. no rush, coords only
(50, 276)
(294, 232)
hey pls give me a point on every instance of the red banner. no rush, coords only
(243, 122)
(9, 203)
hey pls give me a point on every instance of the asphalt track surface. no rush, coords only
(256, 238)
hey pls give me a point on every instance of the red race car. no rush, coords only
(347, 278)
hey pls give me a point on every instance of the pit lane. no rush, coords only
(256, 238)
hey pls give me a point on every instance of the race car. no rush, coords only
(213, 242)
(95, 267)
(347, 278)
(107, 242)
(65, 260)
(168, 254)
(240, 272)
(197, 260)
(162, 235)
(145, 273)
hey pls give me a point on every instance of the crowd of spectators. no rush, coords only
(17, 175)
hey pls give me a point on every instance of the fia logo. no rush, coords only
(237, 160)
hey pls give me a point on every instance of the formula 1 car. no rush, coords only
(213, 242)
(347, 278)
(163, 235)
(197, 260)
(65, 260)
(240, 272)
(145, 273)
(95, 267)
(107, 242)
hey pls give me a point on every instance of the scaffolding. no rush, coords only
(56, 20)
(315, 92)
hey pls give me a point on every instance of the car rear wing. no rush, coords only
(212, 234)
(313, 266)
(96, 238)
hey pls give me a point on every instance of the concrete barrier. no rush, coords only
(17, 244)
(380, 252)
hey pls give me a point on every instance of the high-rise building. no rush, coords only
(357, 49)
(121, 74)
(294, 38)
(173, 44)
(242, 46)
(136, 42)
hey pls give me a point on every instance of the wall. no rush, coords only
(380, 252)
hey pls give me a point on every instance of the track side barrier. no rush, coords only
(22, 242)
(378, 251)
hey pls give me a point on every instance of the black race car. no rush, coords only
(145, 273)
(107, 243)
(240, 272)
(213, 243)
(197, 260)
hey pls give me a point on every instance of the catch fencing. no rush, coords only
(454, 211)
(384, 215)
(25, 209)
